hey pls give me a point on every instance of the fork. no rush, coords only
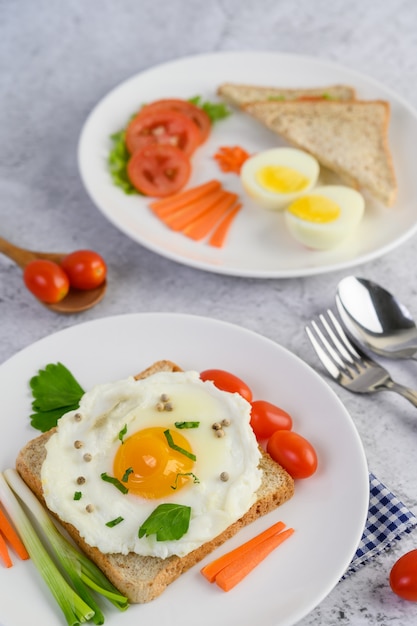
(347, 363)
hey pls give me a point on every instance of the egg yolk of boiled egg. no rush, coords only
(149, 466)
(274, 178)
(323, 219)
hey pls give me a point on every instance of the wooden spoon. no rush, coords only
(76, 300)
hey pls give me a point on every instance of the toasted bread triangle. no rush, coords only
(350, 138)
(239, 95)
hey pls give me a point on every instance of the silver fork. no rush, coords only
(346, 362)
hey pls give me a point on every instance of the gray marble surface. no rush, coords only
(57, 59)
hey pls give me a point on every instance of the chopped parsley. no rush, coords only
(122, 433)
(174, 446)
(77, 495)
(114, 522)
(182, 425)
(114, 481)
(55, 391)
(195, 479)
(126, 475)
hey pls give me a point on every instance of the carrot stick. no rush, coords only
(167, 214)
(185, 197)
(179, 221)
(233, 573)
(200, 227)
(218, 237)
(12, 537)
(4, 553)
(211, 570)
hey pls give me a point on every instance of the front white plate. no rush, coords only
(258, 244)
(328, 510)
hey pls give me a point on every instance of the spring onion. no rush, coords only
(79, 605)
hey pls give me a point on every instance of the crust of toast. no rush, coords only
(349, 138)
(239, 95)
(143, 578)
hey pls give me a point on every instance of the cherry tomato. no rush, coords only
(159, 170)
(266, 418)
(197, 114)
(46, 280)
(403, 576)
(85, 269)
(165, 127)
(293, 452)
(227, 382)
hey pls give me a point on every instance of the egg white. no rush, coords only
(293, 158)
(327, 235)
(104, 411)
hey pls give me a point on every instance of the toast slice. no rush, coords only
(143, 578)
(239, 95)
(349, 138)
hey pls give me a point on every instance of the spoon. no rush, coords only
(76, 300)
(376, 318)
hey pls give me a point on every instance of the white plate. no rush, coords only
(258, 244)
(328, 511)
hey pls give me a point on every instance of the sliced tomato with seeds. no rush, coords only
(159, 170)
(199, 117)
(165, 127)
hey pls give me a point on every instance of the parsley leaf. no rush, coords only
(167, 522)
(55, 391)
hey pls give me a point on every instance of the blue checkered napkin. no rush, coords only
(388, 519)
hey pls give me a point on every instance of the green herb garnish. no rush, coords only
(181, 425)
(126, 475)
(167, 522)
(117, 162)
(278, 98)
(114, 481)
(215, 110)
(114, 522)
(122, 433)
(77, 495)
(174, 446)
(195, 479)
(55, 391)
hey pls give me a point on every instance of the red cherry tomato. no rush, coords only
(403, 576)
(159, 170)
(197, 114)
(164, 127)
(85, 269)
(293, 452)
(46, 280)
(266, 418)
(227, 382)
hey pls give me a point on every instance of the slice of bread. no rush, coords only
(143, 578)
(349, 138)
(239, 95)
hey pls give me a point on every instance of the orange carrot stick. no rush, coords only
(4, 553)
(200, 228)
(184, 197)
(178, 222)
(233, 573)
(12, 537)
(211, 570)
(219, 235)
(167, 214)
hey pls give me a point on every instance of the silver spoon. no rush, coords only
(376, 319)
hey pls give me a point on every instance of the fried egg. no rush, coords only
(274, 178)
(325, 217)
(160, 439)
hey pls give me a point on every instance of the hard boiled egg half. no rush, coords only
(324, 217)
(274, 178)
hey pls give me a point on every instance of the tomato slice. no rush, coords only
(165, 127)
(198, 116)
(159, 170)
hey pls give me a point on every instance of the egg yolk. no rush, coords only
(281, 179)
(316, 209)
(149, 466)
